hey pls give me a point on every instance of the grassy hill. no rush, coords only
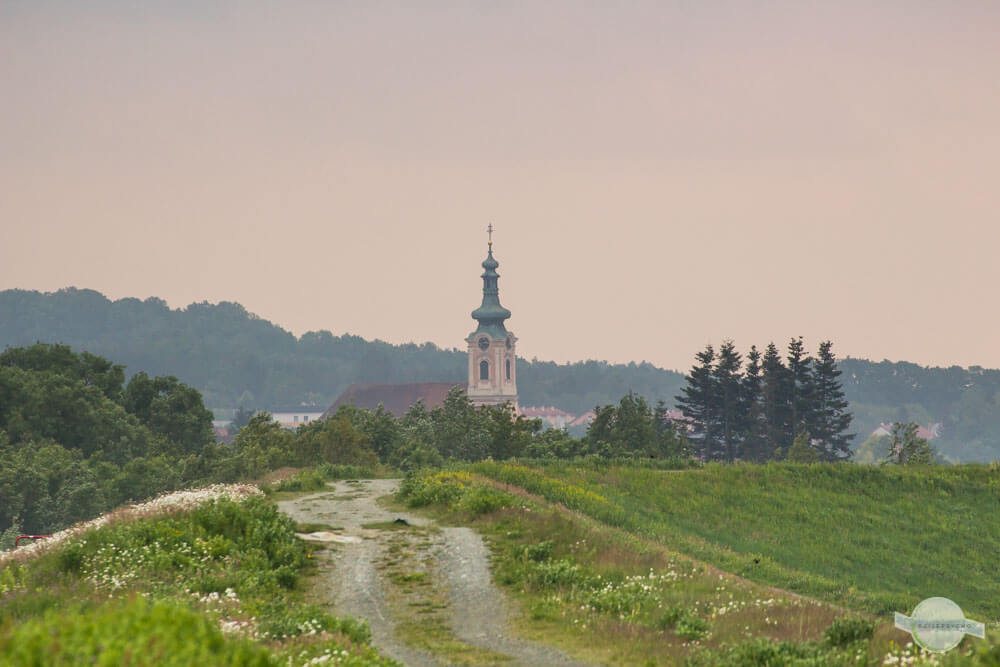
(616, 564)
(619, 562)
(878, 539)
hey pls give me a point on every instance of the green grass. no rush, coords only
(217, 584)
(878, 539)
(614, 589)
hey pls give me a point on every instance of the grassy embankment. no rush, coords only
(873, 539)
(615, 579)
(213, 584)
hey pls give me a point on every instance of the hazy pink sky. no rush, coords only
(661, 175)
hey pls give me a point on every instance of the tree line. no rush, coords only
(235, 358)
(754, 409)
(77, 439)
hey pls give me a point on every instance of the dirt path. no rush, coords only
(381, 574)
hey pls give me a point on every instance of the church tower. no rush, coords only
(492, 376)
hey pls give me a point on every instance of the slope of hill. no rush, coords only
(869, 538)
(629, 564)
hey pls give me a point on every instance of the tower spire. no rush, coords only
(491, 314)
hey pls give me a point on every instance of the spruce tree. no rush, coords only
(698, 402)
(775, 403)
(800, 390)
(755, 433)
(830, 416)
(731, 412)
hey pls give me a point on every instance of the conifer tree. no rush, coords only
(731, 409)
(755, 434)
(830, 416)
(774, 402)
(698, 402)
(800, 391)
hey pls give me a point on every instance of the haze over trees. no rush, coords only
(237, 359)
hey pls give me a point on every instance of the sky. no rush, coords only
(661, 175)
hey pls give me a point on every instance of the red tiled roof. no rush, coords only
(397, 398)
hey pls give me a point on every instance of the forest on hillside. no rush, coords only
(235, 358)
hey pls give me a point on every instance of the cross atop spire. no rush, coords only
(489, 230)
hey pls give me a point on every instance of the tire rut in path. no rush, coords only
(354, 585)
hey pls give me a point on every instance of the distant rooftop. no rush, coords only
(397, 398)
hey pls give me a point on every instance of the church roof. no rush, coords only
(397, 398)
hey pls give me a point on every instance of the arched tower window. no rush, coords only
(508, 369)
(484, 370)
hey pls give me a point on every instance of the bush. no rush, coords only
(280, 621)
(443, 488)
(134, 632)
(762, 651)
(537, 552)
(305, 480)
(331, 471)
(9, 536)
(691, 627)
(555, 573)
(484, 499)
(849, 629)
(684, 622)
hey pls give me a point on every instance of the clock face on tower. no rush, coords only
(484, 343)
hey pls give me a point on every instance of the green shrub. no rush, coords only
(332, 471)
(669, 618)
(306, 480)
(537, 552)
(556, 573)
(684, 622)
(134, 632)
(849, 629)
(484, 499)
(278, 621)
(772, 653)
(443, 488)
(9, 536)
(691, 627)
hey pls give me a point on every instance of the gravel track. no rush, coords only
(351, 581)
